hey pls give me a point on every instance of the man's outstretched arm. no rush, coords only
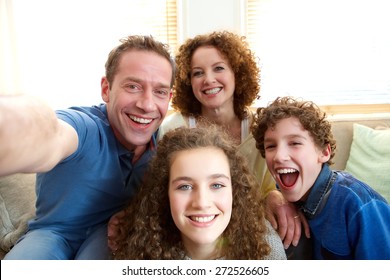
(32, 138)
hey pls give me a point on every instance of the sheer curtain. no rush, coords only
(335, 52)
(9, 66)
(56, 50)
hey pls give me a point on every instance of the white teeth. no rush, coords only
(286, 170)
(202, 219)
(212, 91)
(141, 120)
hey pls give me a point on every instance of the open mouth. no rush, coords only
(212, 91)
(288, 176)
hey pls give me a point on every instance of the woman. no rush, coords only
(217, 79)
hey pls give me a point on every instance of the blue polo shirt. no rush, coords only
(88, 187)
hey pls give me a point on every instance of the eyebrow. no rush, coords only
(287, 136)
(213, 176)
(138, 80)
(216, 63)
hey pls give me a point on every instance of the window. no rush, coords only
(56, 50)
(334, 52)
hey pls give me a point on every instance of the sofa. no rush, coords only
(363, 148)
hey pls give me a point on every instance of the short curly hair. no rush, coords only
(242, 61)
(149, 231)
(308, 113)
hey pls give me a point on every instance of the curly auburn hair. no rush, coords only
(149, 231)
(308, 113)
(140, 43)
(241, 59)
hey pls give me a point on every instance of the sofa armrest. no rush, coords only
(17, 206)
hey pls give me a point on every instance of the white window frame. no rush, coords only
(299, 57)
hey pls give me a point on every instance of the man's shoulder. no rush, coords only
(82, 114)
(91, 111)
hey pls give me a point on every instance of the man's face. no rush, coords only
(138, 99)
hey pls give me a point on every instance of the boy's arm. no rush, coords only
(32, 138)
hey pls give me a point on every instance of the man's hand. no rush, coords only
(113, 229)
(286, 219)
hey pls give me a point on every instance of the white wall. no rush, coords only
(65, 43)
(202, 16)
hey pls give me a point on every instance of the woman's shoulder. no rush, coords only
(274, 241)
(174, 120)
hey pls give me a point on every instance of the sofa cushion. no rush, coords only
(369, 158)
(17, 206)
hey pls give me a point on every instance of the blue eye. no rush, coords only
(217, 186)
(185, 187)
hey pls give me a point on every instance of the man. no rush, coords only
(89, 160)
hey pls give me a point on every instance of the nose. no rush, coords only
(201, 198)
(281, 154)
(146, 101)
(209, 78)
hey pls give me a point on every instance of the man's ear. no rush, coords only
(325, 154)
(105, 87)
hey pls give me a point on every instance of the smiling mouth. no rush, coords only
(212, 91)
(288, 176)
(202, 219)
(140, 120)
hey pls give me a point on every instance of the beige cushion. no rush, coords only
(369, 158)
(17, 206)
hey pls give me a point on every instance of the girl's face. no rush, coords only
(212, 78)
(200, 197)
(293, 158)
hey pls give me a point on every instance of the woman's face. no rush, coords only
(212, 78)
(200, 196)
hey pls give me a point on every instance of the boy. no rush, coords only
(347, 218)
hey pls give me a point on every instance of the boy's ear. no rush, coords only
(325, 154)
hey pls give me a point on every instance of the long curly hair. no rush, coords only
(308, 113)
(149, 231)
(242, 61)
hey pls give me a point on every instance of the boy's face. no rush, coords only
(293, 158)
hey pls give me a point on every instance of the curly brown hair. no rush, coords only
(242, 61)
(136, 42)
(149, 231)
(308, 113)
